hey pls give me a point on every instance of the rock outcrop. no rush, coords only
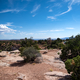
(38, 60)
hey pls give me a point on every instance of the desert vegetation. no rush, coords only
(29, 51)
(30, 54)
(8, 45)
(71, 56)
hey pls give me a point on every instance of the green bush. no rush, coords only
(73, 65)
(21, 49)
(30, 54)
(36, 47)
(71, 49)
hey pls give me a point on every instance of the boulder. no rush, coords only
(45, 52)
(38, 60)
(3, 54)
(21, 76)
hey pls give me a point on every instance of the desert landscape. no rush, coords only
(12, 66)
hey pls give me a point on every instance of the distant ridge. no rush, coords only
(37, 39)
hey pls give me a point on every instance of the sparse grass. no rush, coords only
(34, 63)
(50, 70)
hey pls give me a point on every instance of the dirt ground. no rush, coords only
(32, 71)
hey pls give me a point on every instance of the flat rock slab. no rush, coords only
(12, 59)
(56, 75)
(3, 64)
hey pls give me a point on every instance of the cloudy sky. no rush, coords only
(39, 18)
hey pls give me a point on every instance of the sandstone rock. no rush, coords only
(15, 79)
(3, 54)
(38, 60)
(3, 64)
(56, 75)
(15, 51)
(45, 52)
(21, 76)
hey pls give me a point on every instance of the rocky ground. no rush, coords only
(12, 67)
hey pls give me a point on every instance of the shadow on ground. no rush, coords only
(18, 63)
(67, 77)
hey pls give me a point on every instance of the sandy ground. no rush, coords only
(32, 71)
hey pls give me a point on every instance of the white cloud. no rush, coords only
(50, 10)
(10, 1)
(21, 33)
(51, 17)
(41, 33)
(36, 7)
(51, 30)
(71, 2)
(26, 0)
(69, 28)
(21, 27)
(8, 24)
(10, 10)
(56, 30)
(69, 9)
(47, 7)
(52, 0)
(44, 31)
(5, 29)
(29, 33)
(34, 15)
(74, 1)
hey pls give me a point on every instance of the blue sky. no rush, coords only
(39, 18)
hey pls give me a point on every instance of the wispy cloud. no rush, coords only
(34, 15)
(10, 1)
(47, 7)
(5, 29)
(44, 31)
(51, 0)
(71, 2)
(69, 28)
(26, 0)
(50, 10)
(57, 5)
(36, 7)
(56, 30)
(9, 24)
(69, 9)
(51, 17)
(10, 10)
(29, 33)
(52, 30)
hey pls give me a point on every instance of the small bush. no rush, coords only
(51, 70)
(30, 54)
(58, 53)
(21, 49)
(73, 66)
